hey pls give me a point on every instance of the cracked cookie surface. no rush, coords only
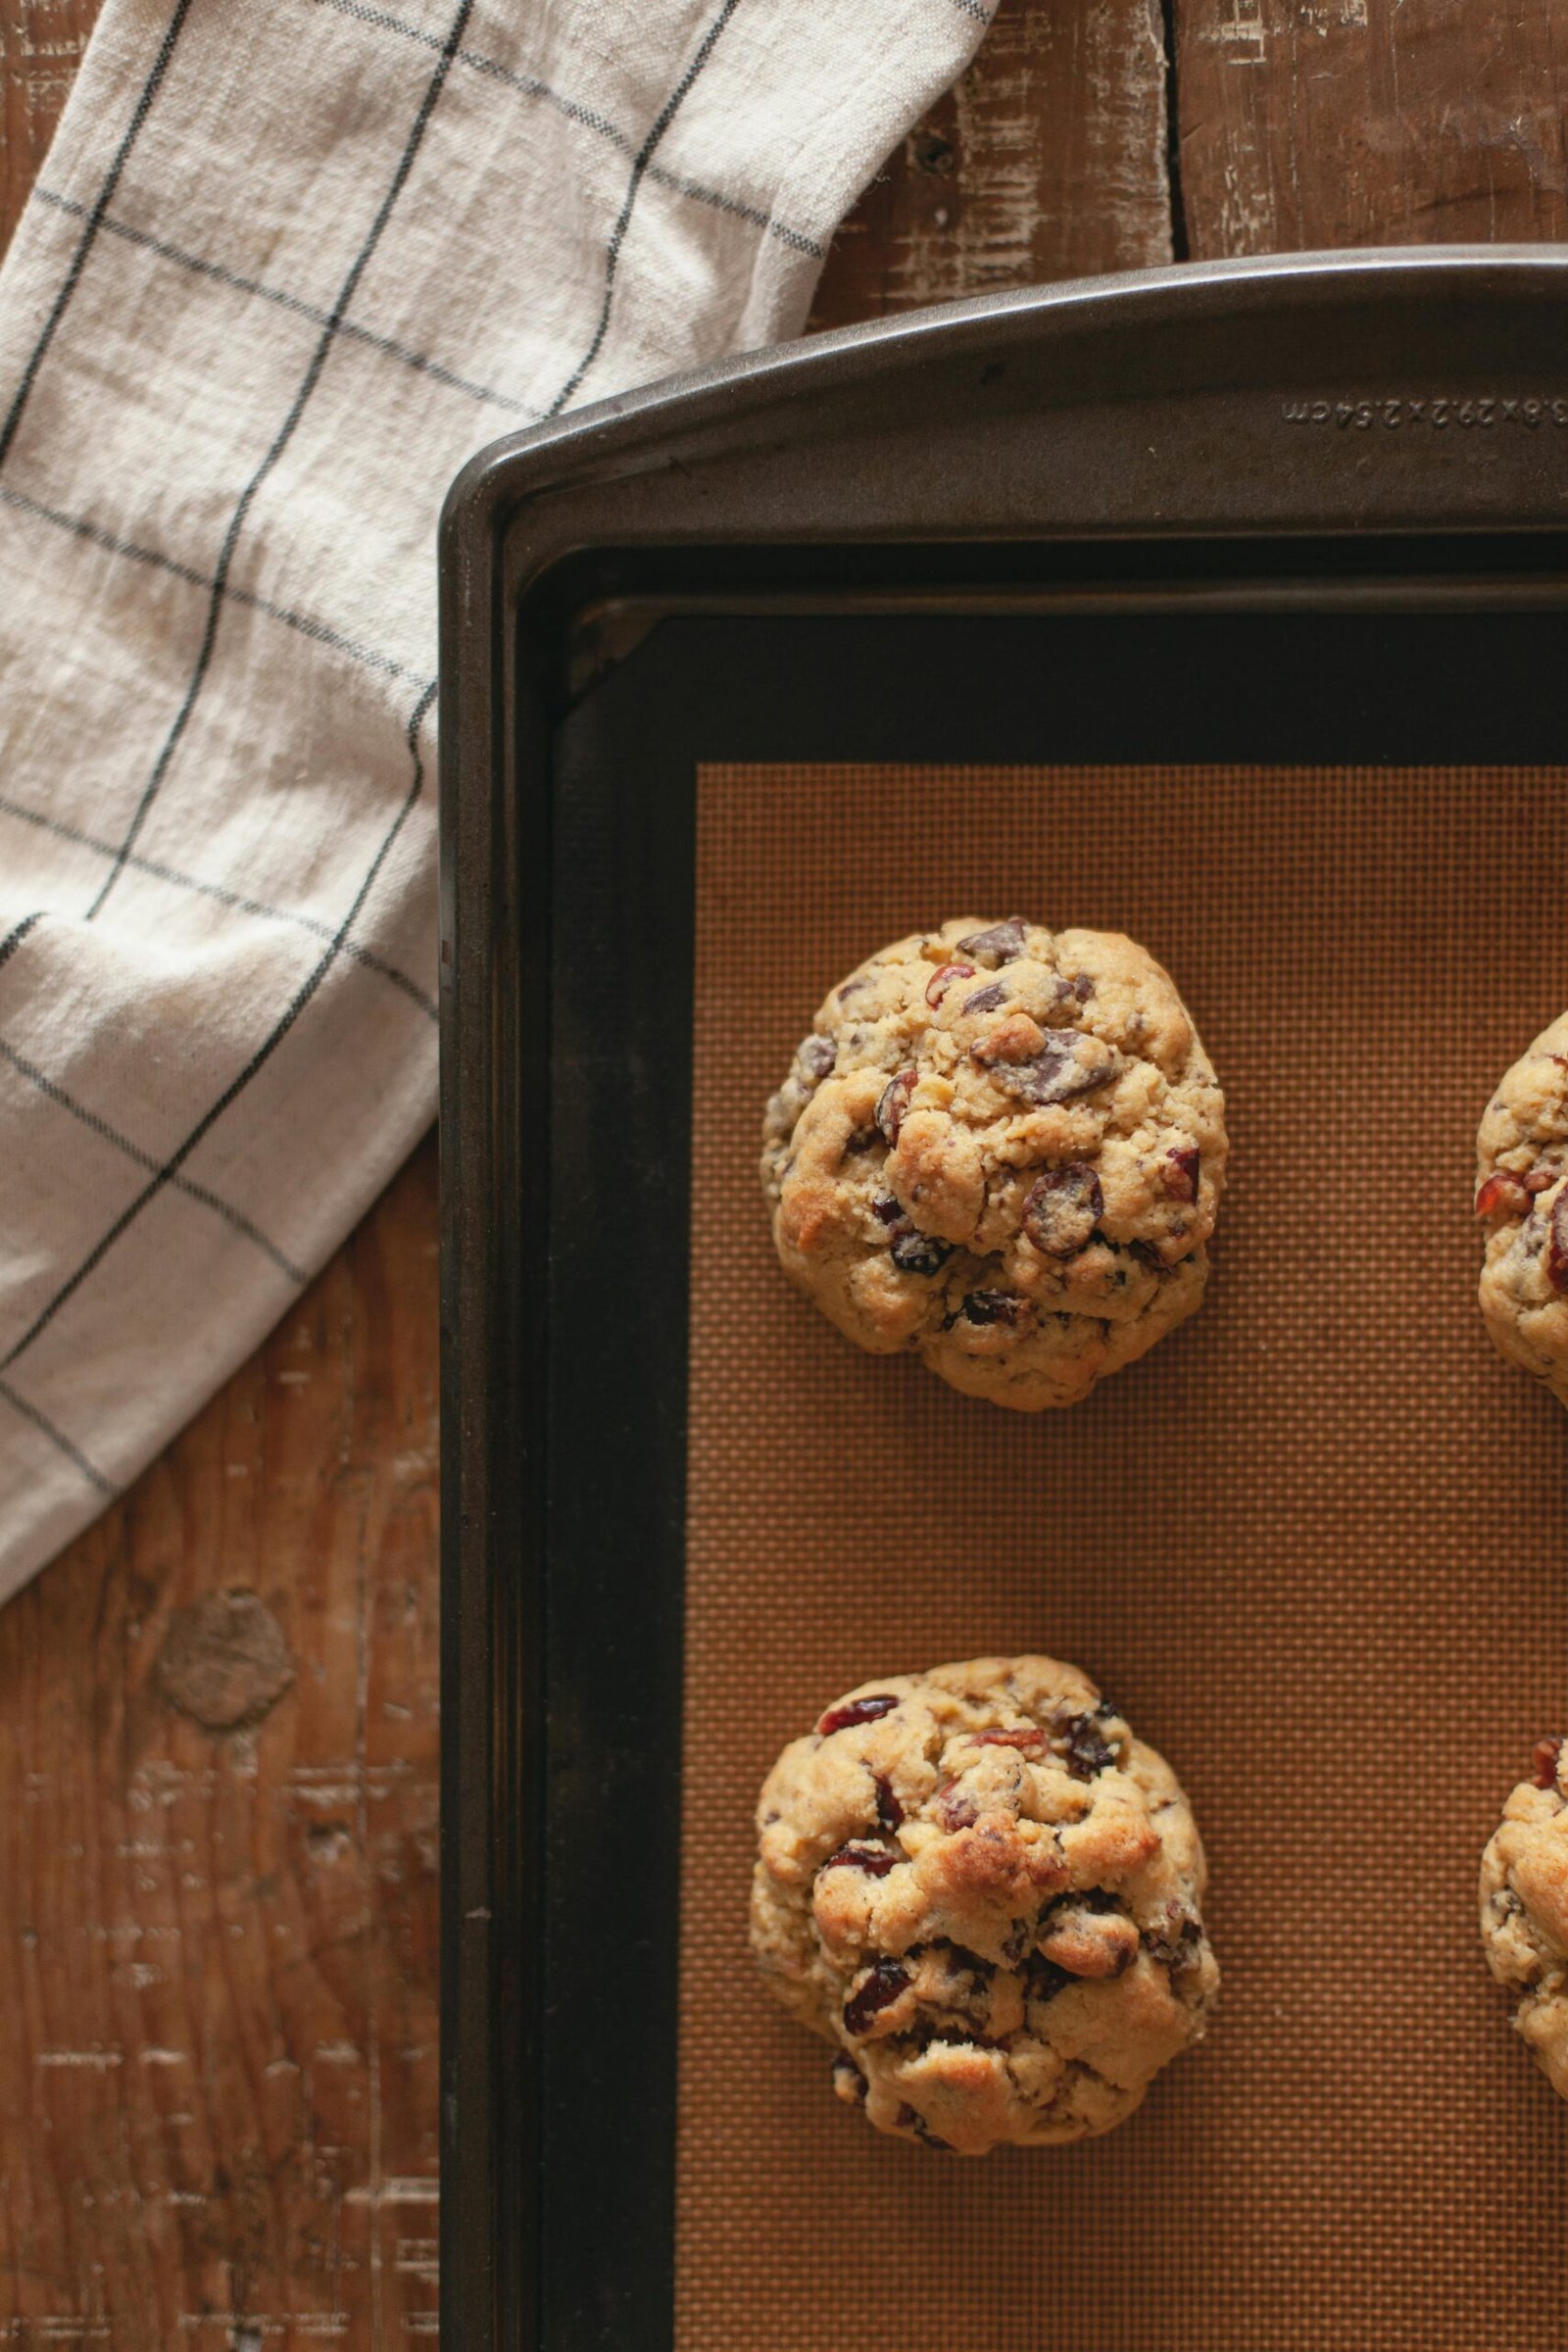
(1522, 1201)
(1523, 1909)
(986, 1894)
(1002, 1147)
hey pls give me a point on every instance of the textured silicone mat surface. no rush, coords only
(1315, 1544)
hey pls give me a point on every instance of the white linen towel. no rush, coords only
(289, 265)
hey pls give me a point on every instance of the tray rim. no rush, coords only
(558, 452)
(537, 528)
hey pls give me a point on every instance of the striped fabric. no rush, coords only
(289, 265)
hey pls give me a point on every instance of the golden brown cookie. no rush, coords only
(1523, 1909)
(1002, 1147)
(986, 1894)
(1522, 1201)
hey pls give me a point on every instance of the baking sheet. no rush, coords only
(1315, 1544)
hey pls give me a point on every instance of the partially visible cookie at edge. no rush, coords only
(1522, 1201)
(986, 1894)
(1002, 1147)
(1523, 1909)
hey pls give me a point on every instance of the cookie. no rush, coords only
(1002, 1149)
(986, 1894)
(1522, 1201)
(1523, 1909)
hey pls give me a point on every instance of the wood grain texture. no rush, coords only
(1047, 160)
(41, 42)
(1340, 122)
(217, 1949)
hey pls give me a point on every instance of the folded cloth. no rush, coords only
(289, 264)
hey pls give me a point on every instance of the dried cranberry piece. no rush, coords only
(1083, 987)
(856, 1710)
(847, 2079)
(955, 1812)
(919, 1252)
(864, 1139)
(986, 1000)
(1063, 1208)
(884, 1983)
(1055, 1074)
(894, 1102)
(1179, 1175)
(1557, 1244)
(1029, 1738)
(912, 1252)
(910, 2119)
(941, 981)
(1087, 1753)
(1501, 1195)
(992, 1307)
(816, 1056)
(1541, 1179)
(1544, 1762)
(874, 1860)
(1002, 944)
(889, 1811)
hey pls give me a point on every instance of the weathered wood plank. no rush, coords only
(41, 42)
(1341, 122)
(218, 1964)
(1047, 160)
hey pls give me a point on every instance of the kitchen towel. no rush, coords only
(289, 264)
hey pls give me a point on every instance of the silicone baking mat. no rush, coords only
(1315, 1544)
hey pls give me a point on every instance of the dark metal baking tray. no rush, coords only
(1310, 509)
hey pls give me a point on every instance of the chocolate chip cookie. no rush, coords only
(985, 1893)
(1523, 1909)
(1522, 1201)
(1002, 1147)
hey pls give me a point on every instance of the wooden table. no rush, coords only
(218, 1939)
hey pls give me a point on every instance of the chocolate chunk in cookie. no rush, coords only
(1523, 1909)
(1002, 1148)
(986, 1893)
